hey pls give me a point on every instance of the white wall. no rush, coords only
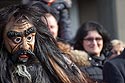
(120, 12)
(74, 13)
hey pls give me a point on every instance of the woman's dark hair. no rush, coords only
(91, 26)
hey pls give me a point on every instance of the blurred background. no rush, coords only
(110, 13)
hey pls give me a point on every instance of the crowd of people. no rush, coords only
(35, 46)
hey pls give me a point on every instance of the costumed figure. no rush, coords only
(29, 53)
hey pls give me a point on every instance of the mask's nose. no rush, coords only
(25, 45)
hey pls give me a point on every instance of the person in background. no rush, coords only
(29, 53)
(52, 24)
(117, 48)
(114, 69)
(61, 8)
(94, 40)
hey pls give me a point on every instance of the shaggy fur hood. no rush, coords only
(80, 58)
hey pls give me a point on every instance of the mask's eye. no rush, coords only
(17, 39)
(29, 38)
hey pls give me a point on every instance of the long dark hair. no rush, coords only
(53, 66)
(91, 26)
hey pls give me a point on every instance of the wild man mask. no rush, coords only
(19, 39)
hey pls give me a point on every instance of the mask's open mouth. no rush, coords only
(23, 58)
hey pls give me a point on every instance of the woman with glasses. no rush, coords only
(94, 40)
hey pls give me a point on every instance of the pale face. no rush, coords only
(93, 43)
(52, 25)
(116, 50)
(20, 36)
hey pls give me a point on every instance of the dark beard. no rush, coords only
(34, 68)
(36, 71)
(30, 71)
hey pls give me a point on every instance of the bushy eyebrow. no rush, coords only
(29, 31)
(12, 34)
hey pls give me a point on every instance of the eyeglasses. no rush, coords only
(98, 39)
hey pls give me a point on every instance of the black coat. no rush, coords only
(95, 69)
(114, 70)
